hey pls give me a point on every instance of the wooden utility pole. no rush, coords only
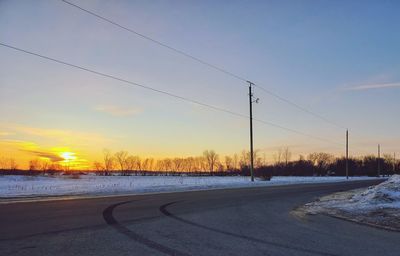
(379, 160)
(394, 162)
(347, 154)
(251, 131)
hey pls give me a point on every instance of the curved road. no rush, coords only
(248, 221)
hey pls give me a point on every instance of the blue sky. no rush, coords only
(339, 59)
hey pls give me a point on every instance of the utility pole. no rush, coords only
(251, 130)
(394, 163)
(379, 160)
(347, 154)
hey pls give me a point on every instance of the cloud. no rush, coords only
(32, 148)
(49, 155)
(5, 133)
(372, 86)
(117, 111)
(65, 136)
(56, 154)
(20, 144)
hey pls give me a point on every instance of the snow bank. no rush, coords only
(377, 205)
(384, 195)
(12, 186)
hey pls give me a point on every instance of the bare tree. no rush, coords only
(129, 164)
(203, 164)
(160, 165)
(264, 161)
(287, 155)
(2, 163)
(220, 167)
(148, 164)
(177, 164)
(235, 161)
(44, 166)
(8, 164)
(39, 164)
(165, 164)
(211, 158)
(278, 157)
(244, 159)
(189, 164)
(12, 164)
(200, 163)
(121, 157)
(391, 161)
(229, 163)
(34, 165)
(108, 161)
(138, 163)
(98, 166)
(258, 161)
(321, 160)
(134, 163)
(168, 164)
(55, 167)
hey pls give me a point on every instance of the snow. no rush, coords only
(14, 186)
(377, 205)
(383, 195)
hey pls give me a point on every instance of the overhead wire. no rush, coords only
(162, 92)
(156, 41)
(215, 67)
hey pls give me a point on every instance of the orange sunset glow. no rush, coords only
(90, 85)
(204, 128)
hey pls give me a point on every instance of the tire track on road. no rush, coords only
(110, 220)
(163, 210)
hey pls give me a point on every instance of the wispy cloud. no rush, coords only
(64, 136)
(372, 86)
(31, 148)
(117, 110)
(43, 154)
(5, 133)
(56, 154)
(20, 144)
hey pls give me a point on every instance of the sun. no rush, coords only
(68, 156)
(71, 160)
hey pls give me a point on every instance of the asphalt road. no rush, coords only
(250, 221)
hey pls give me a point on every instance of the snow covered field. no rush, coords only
(12, 186)
(377, 205)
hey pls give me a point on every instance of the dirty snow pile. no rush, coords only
(377, 205)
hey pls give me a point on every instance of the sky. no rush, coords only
(338, 59)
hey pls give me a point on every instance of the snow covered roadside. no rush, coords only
(378, 205)
(14, 186)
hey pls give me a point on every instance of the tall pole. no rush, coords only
(394, 163)
(379, 160)
(251, 131)
(347, 154)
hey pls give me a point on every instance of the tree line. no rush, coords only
(211, 163)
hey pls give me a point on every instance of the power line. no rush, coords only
(296, 131)
(201, 61)
(163, 92)
(156, 41)
(299, 107)
(122, 80)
